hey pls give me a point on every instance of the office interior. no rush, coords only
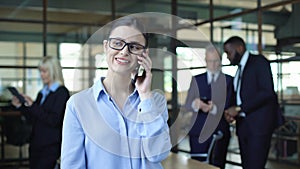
(32, 29)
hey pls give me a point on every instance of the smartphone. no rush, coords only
(204, 99)
(15, 92)
(140, 73)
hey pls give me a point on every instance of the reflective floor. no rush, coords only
(234, 157)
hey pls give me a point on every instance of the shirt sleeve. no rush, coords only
(72, 152)
(194, 106)
(154, 130)
(214, 110)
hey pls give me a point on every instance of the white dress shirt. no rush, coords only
(237, 87)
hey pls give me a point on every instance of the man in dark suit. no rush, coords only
(255, 113)
(202, 101)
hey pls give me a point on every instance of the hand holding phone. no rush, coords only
(15, 92)
(139, 73)
(144, 75)
(204, 99)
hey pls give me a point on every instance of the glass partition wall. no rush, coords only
(61, 29)
(23, 43)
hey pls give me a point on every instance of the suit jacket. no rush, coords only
(258, 96)
(47, 119)
(200, 88)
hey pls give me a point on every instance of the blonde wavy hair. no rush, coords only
(52, 64)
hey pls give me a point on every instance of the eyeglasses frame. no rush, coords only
(125, 44)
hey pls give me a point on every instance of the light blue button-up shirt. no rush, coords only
(46, 90)
(98, 135)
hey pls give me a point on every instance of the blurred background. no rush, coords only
(31, 29)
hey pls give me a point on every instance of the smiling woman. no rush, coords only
(118, 119)
(126, 46)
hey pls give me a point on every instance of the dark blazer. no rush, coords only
(47, 119)
(200, 88)
(259, 102)
(204, 90)
(258, 96)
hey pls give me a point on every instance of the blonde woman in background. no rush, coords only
(46, 115)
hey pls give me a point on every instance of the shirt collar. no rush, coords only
(244, 59)
(98, 89)
(53, 87)
(209, 75)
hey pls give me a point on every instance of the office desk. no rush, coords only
(10, 113)
(179, 161)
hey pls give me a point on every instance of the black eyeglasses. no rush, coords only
(119, 44)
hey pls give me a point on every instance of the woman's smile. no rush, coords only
(121, 60)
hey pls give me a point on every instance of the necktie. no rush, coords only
(239, 77)
(238, 85)
(238, 91)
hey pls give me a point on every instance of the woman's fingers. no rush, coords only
(146, 62)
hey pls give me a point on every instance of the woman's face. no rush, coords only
(123, 61)
(45, 75)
